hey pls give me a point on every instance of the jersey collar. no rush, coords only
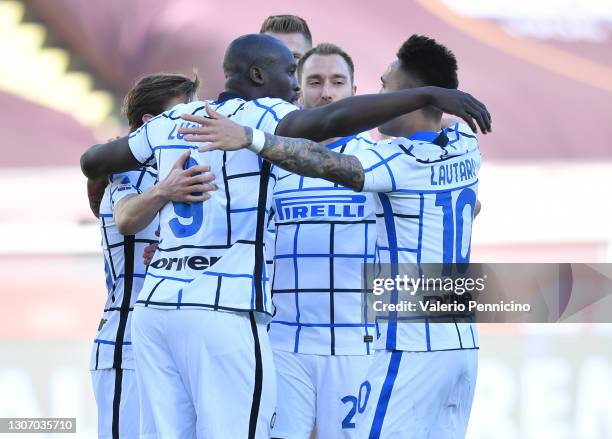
(435, 137)
(227, 95)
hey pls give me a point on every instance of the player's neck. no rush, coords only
(423, 125)
(245, 91)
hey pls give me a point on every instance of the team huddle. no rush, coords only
(235, 231)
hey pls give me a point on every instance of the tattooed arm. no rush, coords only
(312, 159)
(301, 156)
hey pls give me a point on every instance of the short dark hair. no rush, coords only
(326, 49)
(151, 94)
(286, 24)
(430, 62)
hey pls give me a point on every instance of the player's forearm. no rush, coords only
(95, 192)
(101, 160)
(354, 114)
(134, 213)
(312, 159)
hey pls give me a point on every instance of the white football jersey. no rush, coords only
(125, 272)
(211, 254)
(324, 234)
(426, 190)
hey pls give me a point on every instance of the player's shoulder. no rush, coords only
(361, 141)
(227, 107)
(462, 131)
(269, 102)
(169, 117)
(178, 110)
(365, 137)
(274, 106)
(461, 139)
(432, 146)
(121, 184)
(264, 113)
(136, 177)
(380, 148)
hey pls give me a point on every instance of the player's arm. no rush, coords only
(310, 159)
(361, 113)
(95, 192)
(104, 159)
(304, 157)
(133, 213)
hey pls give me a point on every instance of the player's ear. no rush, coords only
(146, 117)
(354, 90)
(256, 74)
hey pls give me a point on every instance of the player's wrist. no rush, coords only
(160, 194)
(248, 136)
(258, 140)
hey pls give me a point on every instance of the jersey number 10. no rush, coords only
(454, 228)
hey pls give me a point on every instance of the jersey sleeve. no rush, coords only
(140, 145)
(120, 186)
(265, 114)
(379, 163)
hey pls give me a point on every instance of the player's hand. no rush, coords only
(149, 252)
(189, 185)
(219, 130)
(462, 105)
(95, 192)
